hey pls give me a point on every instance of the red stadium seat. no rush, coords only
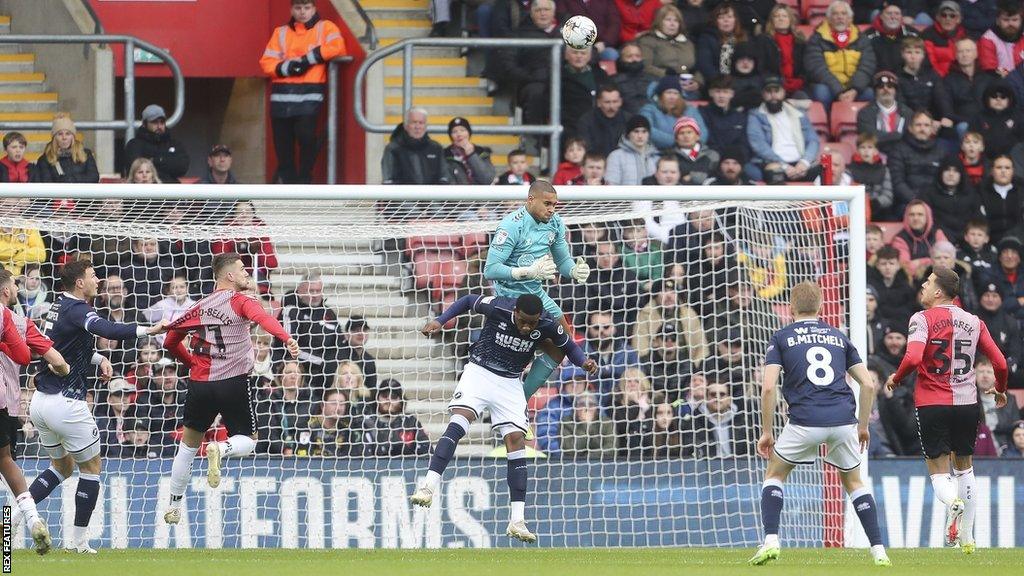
(840, 148)
(819, 119)
(806, 29)
(473, 243)
(889, 230)
(794, 4)
(1020, 396)
(442, 241)
(813, 9)
(844, 118)
(448, 276)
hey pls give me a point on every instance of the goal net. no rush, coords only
(657, 450)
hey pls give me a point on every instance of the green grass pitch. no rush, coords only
(523, 561)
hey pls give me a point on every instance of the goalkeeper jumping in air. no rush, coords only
(528, 248)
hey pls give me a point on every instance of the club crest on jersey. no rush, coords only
(535, 335)
(500, 237)
(502, 326)
(551, 238)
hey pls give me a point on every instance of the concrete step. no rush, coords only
(22, 82)
(399, 13)
(426, 66)
(372, 6)
(427, 51)
(453, 82)
(405, 345)
(470, 445)
(25, 116)
(418, 369)
(17, 63)
(442, 106)
(429, 390)
(312, 260)
(368, 299)
(29, 102)
(475, 120)
(405, 325)
(341, 282)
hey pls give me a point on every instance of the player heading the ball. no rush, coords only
(814, 359)
(511, 333)
(942, 346)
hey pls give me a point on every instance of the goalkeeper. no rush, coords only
(528, 248)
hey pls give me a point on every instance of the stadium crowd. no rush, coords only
(927, 108)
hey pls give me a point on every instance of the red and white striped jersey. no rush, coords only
(943, 343)
(221, 344)
(10, 371)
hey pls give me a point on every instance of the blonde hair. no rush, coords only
(805, 299)
(78, 155)
(634, 374)
(663, 12)
(139, 163)
(769, 28)
(360, 391)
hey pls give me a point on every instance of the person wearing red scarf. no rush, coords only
(783, 47)
(940, 40)
(886, 35)
(14, 167)
(971, 158)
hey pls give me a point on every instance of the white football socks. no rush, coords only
(432, 480)
(181, 472)
(27, 506)
(944, 487)
(237, 446)
(965, 489)
(518, 512)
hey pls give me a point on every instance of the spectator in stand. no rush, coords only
(868, 169)
(162, 401)
(518, 172)
(727, 365)
(1015, 449)
(640, 254)
(572, 161)
(611, 351)
(349, 379)
(33, 297)
(666, 365)
(784, 143)
(154, 141)
(142, 171)
(978, 15)
(633, 414)
(467, 163)
(920, 87)
(218, 163)
(886, 35)
(720, 427)
(716, 45)
(783, 48)
(603, 126)
(839, 60)
(897, 414)
(975, 165)
(894, 347)
(501, 18)
(412, 156)
(944, 254)
(984, 443)
(257, 253)
(695, 16)
(976, 250)
(65, 160)
(1008, 276)
(572, 384)
(885, 118)
(146, 273)
(580, 82)
(593, 171)
(730, 168)
(689, 239)
(665, 308)
(631, 79)
(113, 423)
(1000, 122)
(666, 172)
(19, 246)
(940, 38)
(636, 16)
(1004, 328)
(586, 433)
(353, 347)
(951, 199)
(668, 439)
(666, 110)
(876, 323)
(716, 268)
(696, 163)
(1000, 48)
(747, 79)
(919, 234)
(668, 52)
(966, 84)
(635, 158)
(328, 433)
(727, 124)
(174, 305)
(391, 431)
(874, 239)
(295, 61)
(840, 175)
(914, 162)
(14, 168)
(895, 295)
(605, 16)
(289, 409)
(263, 366)
(614, 289)
(1001, 198)
(315, 326)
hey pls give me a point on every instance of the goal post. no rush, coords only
(391, 257)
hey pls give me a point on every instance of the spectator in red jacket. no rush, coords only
(636, 16)
(940, 40)
(13, 166)
(1000, 48)
(257, 253)
(605, 16)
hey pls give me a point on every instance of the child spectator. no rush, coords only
(696, 163)
(975, 248)
(896, 298)
(914, 242)
(13, 166)
(635, 158)
(65, 159)
(727, 123)
(572, 161)
(587, 433)
(142, 171)
(921, 88)
(976, 166)
(867, 169)
(952, 199)
(593, 171)
(518, 170)
(633, 414)
(874, 240)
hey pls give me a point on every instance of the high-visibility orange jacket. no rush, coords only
(309, 45)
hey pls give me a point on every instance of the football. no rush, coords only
(579, 32)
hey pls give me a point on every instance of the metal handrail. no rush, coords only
(370, 38)
(553, 129)
(130, 42)
(97, 25)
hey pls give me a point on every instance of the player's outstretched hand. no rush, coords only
(158, 328)
(106, 370)
(590, 367)
(60, 369)
(891, 383)
(765, 444)
(999, 396)
(431, 328)
(581, 271)
(542, 268)
(864, 437)
(293, 347)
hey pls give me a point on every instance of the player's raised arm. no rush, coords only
(469, 302)
(572, 351)
(916, 341)
(250, 309)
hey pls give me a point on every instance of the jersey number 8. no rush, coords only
(819, 369)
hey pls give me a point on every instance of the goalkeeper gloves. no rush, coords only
(541, 269)
(581, 271)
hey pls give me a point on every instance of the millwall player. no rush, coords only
(814, 359)
(511, 333)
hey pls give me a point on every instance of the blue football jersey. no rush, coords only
(500, 348)
(814, 358)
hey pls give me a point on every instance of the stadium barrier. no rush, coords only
(363, 503)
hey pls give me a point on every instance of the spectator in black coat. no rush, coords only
(976, 250)
(1000, 122)
(720, 427)
(747, 77)
(952, 200)
(876, 323)
(614, 289)
(154, 141)
(14, 167)
(921, 87)
(65, 160)
(886, 117)
(412, 156)
(896, 298)
(1001, 198)
(289, 408)
(730, 168)
(146, 273)
(727, 123)
(886, 36)
(1004, 329)
(306, 316)
(580, 82)
(966, 83)
(218, 163)
(666, 365)
(602, 127)
(897, 414)
(392, 431)
(723, 35)
(528, 70)
(867, 169)
(1009, 276)
(467, 163)
(914, 162)
(113, 422)
(631, 78)
(353, 347)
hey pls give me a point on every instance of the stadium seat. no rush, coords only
(443, 241)
(794, 4)
(819, 119)
(806, 29)
(889, 230)
(540, 399)
(843, 148)
(473, 243)
(843, 118)
(425, 267)
(813, 11)
(448, 276)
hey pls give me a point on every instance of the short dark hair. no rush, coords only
(297, 2)
(529, 304)
(1008, 8)
(15, 137)
(516, 152)
(222, 261)
(595, 157)
(887, 252)
(73, 271)
(947, 280)
(5, 276)
(873, 229)
(334, 392)
(977, 224)
(723, 82)
(606, 88)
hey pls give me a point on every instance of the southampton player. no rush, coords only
(814, 359)
(511, 333)
(942, 345)
(528, 248)
(220, 366)
(10, 402)
(67, 429)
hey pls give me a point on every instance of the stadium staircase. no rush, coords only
(24, 95)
